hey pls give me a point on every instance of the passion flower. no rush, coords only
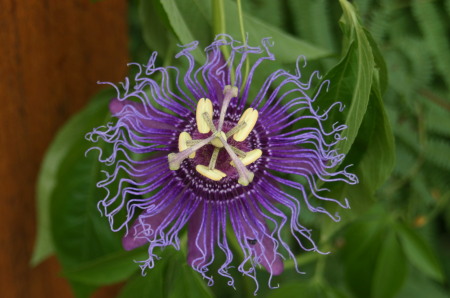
(210, 149)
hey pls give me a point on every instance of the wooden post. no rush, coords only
(52, 53)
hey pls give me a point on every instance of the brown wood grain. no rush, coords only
(52, 53)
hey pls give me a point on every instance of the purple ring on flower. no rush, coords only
(178, 162)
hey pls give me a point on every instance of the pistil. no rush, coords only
(240, 159)
(245, 176)
(216, 142)
(229, 93)
(175, 159)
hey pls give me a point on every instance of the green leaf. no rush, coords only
(312, 21)
(183, 280)
(434, 28)
(109, 269)
(82, 238)
(361, 232)
(437, 118)
(171, 277)
(67, 138)
(291, 290)
(270, 11)
(372, 154)
(154, 32)
(302, 26)
(188, 29)
(310, 289)
(375, 147)
(363, 241)
(418, 285)
(351, 79)
(150, 285)
(381, 72)
(187, 282)
(357, 81)
(391, 268)
(81, 290)
(419, 253)
(79, 231)
(435, 152)
(287, 48)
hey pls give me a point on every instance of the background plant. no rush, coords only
(394, 242)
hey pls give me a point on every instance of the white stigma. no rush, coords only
(217, 142)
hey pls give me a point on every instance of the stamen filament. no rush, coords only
(235, 129)
(209, 122)
(192, 142)
(212, 162)
(239, 152)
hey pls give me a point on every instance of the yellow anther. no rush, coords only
(204, 106)
(213, 174)
(182, 142)
(250, 157)
(217, 142)
(250, 117)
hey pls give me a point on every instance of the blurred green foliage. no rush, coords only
(387, 61)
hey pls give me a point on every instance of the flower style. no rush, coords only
(212, 148)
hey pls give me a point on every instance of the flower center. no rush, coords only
(218, 138)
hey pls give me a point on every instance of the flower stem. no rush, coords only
(241, 19)
(320, 269)
(244, 40)
(219, 25)
(302, 259)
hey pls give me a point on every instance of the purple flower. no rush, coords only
(211, 149)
